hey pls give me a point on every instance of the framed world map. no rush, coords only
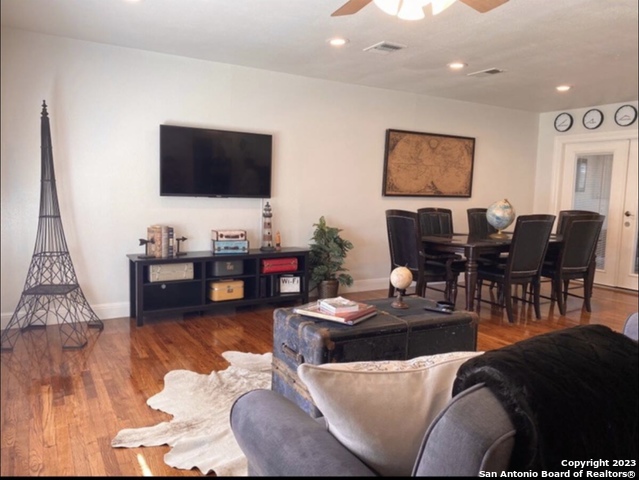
(427, 165)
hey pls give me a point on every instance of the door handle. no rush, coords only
(627, 213)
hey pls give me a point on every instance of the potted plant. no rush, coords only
(327, 255)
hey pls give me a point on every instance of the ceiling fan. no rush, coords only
(413, 8)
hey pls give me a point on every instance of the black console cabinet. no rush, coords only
(179, 296)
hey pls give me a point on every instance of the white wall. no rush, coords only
(550, 152)
(106, 103)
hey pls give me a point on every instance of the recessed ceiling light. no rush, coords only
(563, 88)
(338, 42)
(457, 65)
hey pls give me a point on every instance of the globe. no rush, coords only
(500, 215)
(401, 278)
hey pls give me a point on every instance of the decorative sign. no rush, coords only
(289, 284)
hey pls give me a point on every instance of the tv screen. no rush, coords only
(199, 162)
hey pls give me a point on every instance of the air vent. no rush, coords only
(384, 48)
(485, 73)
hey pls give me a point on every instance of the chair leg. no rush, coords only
(391, 290)
(558, 295)
(536, 298)
(587, 294)
(508, 301)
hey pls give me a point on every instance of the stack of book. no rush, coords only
(161, 241)
(338, 309)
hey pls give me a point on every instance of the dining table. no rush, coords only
(472, 247)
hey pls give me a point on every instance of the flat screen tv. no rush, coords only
(199, 162)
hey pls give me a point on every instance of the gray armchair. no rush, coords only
(489, 425)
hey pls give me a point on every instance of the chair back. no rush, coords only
(478, 225)
(404, 240)
(563, 214)
(528, 246)
(580, 237)
(435, 221)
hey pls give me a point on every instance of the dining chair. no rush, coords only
(523, 265)
(439, 221)
(478, 225)
(405, 245)
(435, 221)
(553, 253)
(575, 259)
(563, 214)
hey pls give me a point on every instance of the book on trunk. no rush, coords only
(338, 305)
(314, 310)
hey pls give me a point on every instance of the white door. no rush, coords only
(602, 177)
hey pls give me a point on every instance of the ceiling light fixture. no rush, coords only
(338, 42)
(457, 65)
(563, 88)
(411, 9)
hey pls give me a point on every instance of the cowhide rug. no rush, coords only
(200, 432)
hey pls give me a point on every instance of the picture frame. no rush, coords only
(418, 164)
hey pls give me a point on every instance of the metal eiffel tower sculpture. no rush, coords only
(51, 288)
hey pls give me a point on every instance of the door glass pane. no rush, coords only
(593, 177)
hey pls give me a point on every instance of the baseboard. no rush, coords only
(104, 312)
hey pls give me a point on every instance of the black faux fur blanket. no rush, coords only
(572, 395)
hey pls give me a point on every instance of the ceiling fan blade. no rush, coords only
(350, 7)
(483, 6)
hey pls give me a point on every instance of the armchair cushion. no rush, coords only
(380, 410)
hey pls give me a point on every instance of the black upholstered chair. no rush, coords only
(478, 225)
(405, 245)
(575, 260)
(439, 221)
(523, 265)
(435, 221)
(564, 214)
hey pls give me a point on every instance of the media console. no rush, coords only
(149, 296)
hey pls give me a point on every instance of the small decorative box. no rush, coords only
(226, 290)
(230, 246)
(230, 267)
(276, 265)
(228, 235)
(170, 271)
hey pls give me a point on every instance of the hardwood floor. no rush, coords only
(60, 409)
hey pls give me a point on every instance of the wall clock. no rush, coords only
(563, 122)
(593, 118)
(625, 115)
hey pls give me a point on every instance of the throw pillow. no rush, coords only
(381, 410)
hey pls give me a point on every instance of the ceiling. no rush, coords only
(539, 44)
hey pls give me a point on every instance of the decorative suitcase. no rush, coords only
(228, 235)
(226, 290)
(278, 265)
(170, 271)
(228, 267)
(390, 335)
(230, 246)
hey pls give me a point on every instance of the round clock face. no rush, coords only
(563, 122)
(626, 115)
(593, 119)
